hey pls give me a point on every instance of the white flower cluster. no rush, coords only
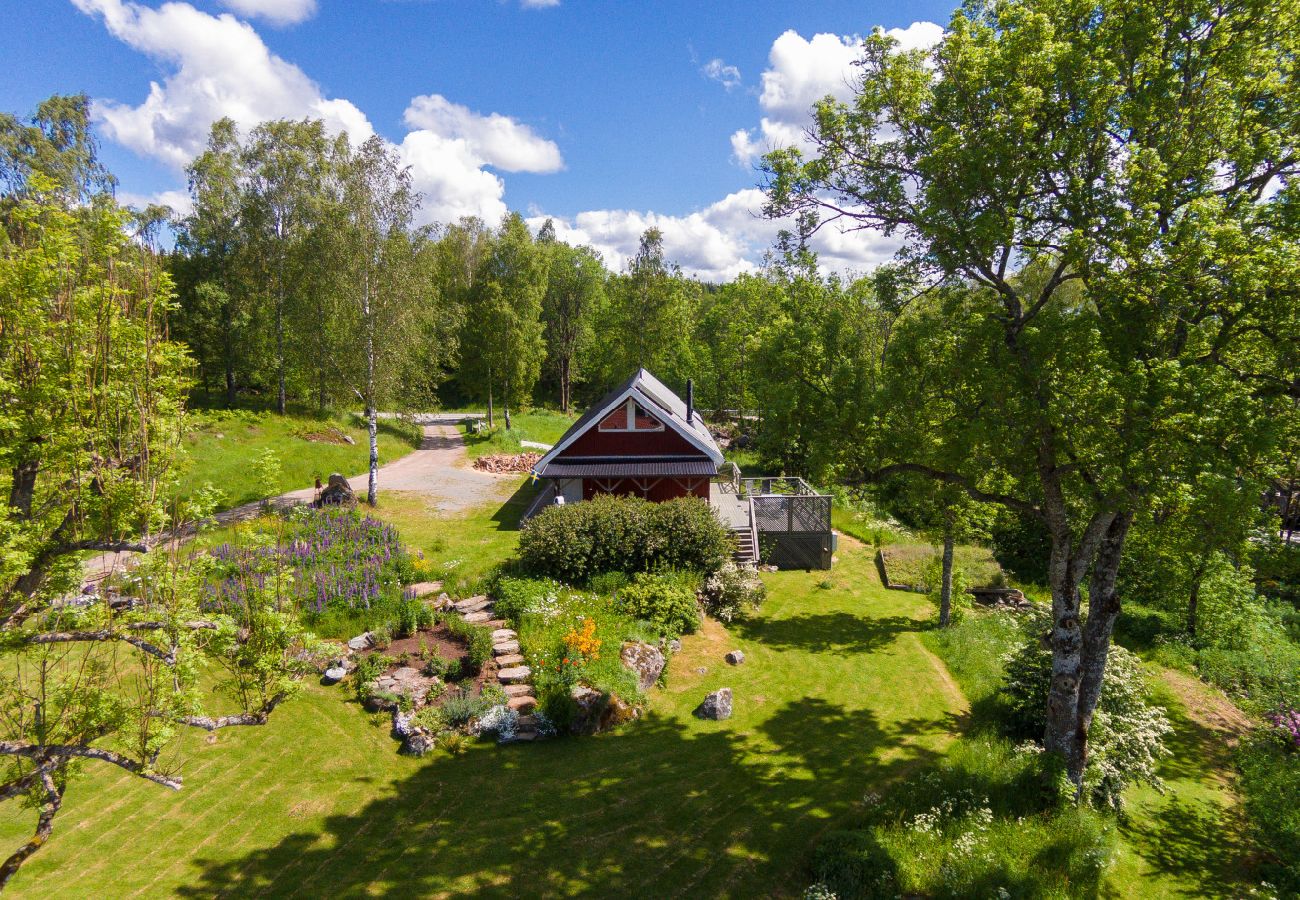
(500, 720)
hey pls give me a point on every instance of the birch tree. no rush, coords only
(1111, 185)
(378, 296)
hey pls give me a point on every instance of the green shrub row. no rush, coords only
(572, 543)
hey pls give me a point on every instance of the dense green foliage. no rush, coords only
(571, 543)
(1270, 784)
(666, 602)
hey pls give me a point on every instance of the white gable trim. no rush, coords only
(649, 403)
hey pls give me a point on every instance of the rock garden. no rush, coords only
(556, 643)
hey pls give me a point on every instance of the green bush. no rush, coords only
(1127, 736)
(732, 590)
(516, 597)
(1270, 785)
(574, 542)
(667, 602)
(410, 617)
(459, 706)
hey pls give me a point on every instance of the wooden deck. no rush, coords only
(732, 509)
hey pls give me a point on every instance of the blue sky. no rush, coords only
(608, 116)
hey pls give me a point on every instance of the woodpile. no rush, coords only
(507, 463)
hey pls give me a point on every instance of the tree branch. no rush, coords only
(212, 723)
(47, 752)
(960, 481)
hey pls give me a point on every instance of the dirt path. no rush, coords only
(439, 470)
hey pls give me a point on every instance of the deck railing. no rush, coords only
(776, 485)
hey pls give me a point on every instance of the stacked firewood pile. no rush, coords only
(507, 463)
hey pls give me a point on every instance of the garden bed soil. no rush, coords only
(438, 641)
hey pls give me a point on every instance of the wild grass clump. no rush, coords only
(575, 542)
(991, 820)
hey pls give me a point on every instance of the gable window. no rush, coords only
(631, 416)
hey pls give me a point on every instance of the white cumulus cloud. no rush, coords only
(219, 66)
(278, 12)
(495, 139)
(802, 71)
(719, 71)
(715, 243)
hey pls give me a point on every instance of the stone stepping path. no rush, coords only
(512, 673)
(515, 675)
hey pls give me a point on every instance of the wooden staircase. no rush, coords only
(745, 554)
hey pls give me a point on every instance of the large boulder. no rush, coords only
(736, 657)
(646, 660)
(598, 711)
(334, 675)
(337, 493)
(361, 642)
(716, 705)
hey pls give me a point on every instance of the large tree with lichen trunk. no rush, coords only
(1104, 190)
(90, 414)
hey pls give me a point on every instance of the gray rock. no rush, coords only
(334, 675)
(675, 646)
(736, 657)
(361, 642)
(505, 648)
(646, 660)
(716, 705)
(417, 744)
(337, 493)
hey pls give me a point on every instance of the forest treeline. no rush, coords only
(487, 313)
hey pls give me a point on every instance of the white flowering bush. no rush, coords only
(731, 590)
(501, 721)
(1127, 738)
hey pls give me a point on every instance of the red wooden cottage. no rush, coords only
(640, 439)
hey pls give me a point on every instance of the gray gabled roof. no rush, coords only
(657, 398)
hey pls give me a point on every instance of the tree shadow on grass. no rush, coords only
(1197, 841)
(838, 632)
(655, 809)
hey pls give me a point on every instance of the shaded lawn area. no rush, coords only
(837, 696)
(223, 449)
(542, 425)
(1190, 841)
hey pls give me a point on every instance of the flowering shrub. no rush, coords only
(572, 543)
(336, 558)
(1127, 736)
(582, 642)
(1287, 722)
(501, 721)
(731, 590)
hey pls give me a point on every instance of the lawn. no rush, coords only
(222, 447)
(837, 696)
(540, 425)
(842, 694)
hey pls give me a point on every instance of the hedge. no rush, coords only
(571, 543)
